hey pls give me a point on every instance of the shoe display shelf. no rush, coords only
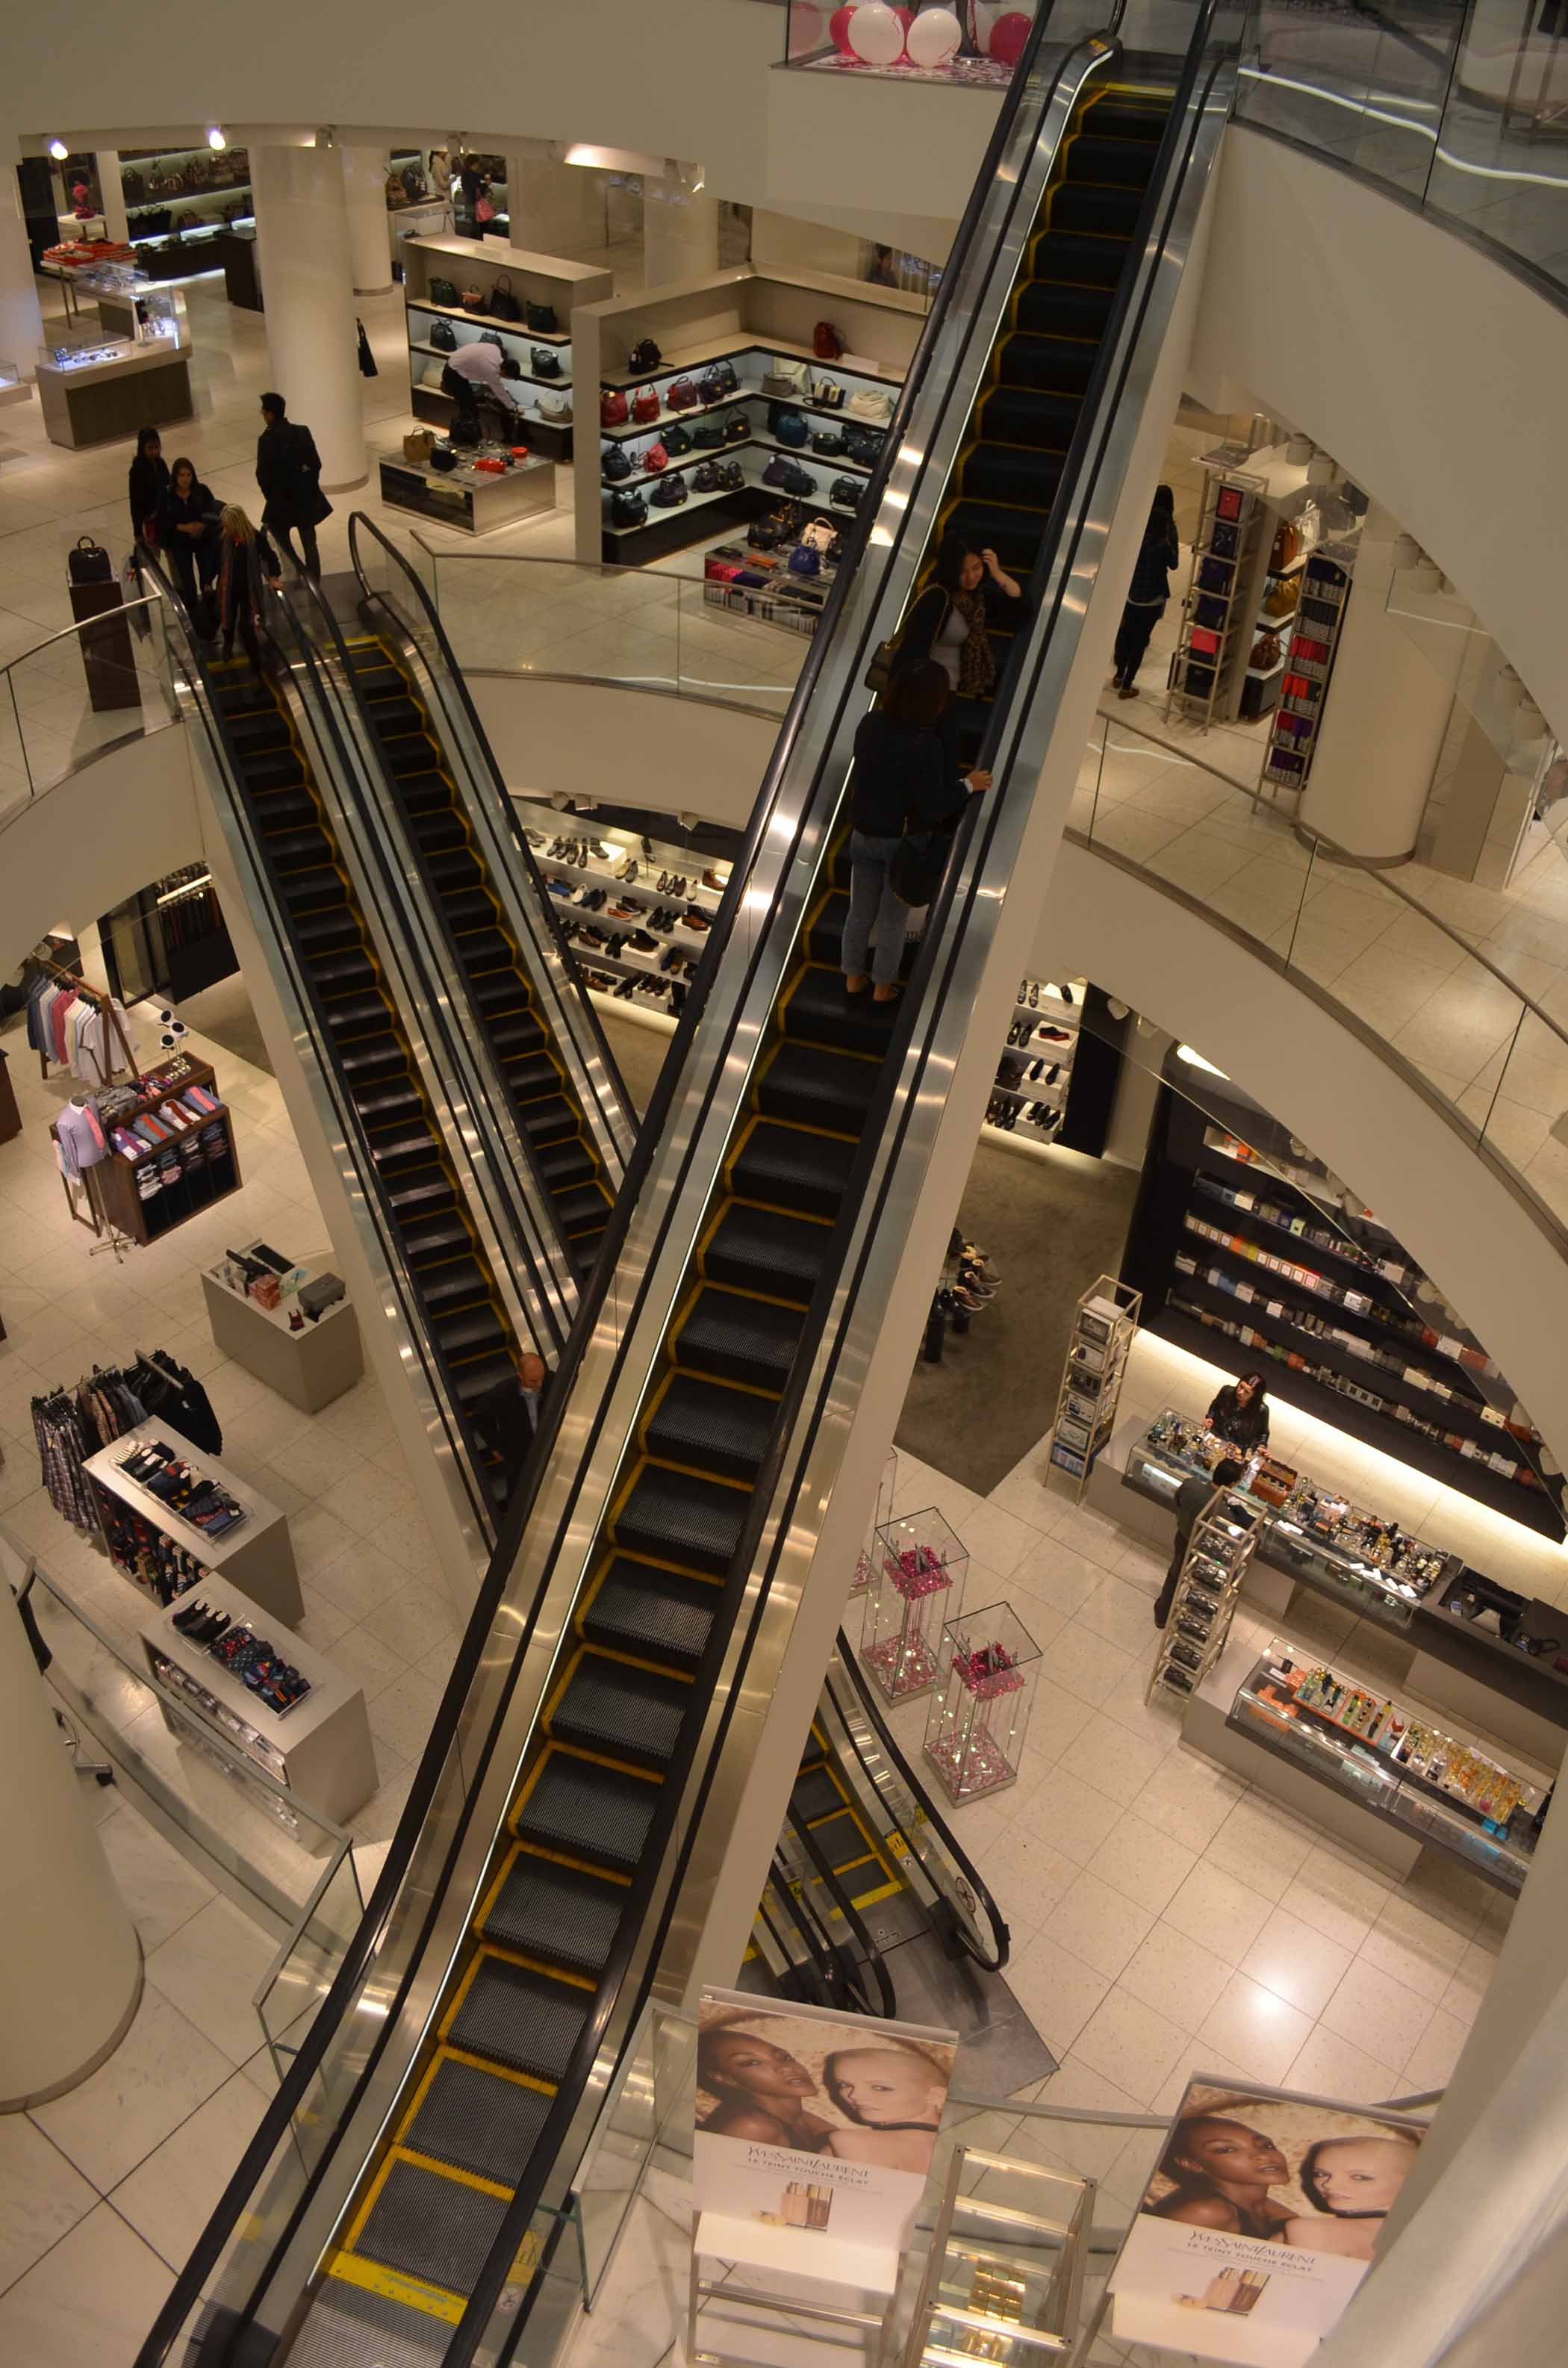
(538, 279)
(978, 1721)
(319, 1748)
(1222, 1542)
(1104, 1323)
(595, 859)
(918, 1569)
(1042, 1034)
(1316, 630)
(256, 1553)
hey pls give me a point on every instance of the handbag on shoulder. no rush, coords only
(919, 861)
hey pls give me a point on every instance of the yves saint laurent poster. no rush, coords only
(1258, 2223)
(816, 2122)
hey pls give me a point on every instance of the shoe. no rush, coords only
(1054, 1035)
(1034, 998)
(1128, 690)
(664, 884)
(641, 940)
(534, 837)
(192, 1613)
(697, 921)
(1023, 990)
(711, 880)
(961, 1298)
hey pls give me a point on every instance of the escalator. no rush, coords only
(569, 1819)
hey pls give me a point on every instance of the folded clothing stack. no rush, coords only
(202, 1503)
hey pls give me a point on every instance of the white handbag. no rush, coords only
(433, 373)
(556, 408)
(871, 403)
(786, 378)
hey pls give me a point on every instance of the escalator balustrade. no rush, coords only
(821, 1805)
(465, 1318)
(504, 1007)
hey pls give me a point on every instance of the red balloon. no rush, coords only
(905, 17)
(838, 30)
(1008, 35)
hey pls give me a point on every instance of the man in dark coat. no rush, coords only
(287, 469)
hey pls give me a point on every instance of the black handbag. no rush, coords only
(709, 436)
(493, 338)
(443, 458)
(503, 304)
(367, 358)
(789, 428)
(862, 444)
(918, 864)
(830, 444)
(627, 508)
(443, 337)
(737, 428)
(90, 563)
(788, 477)
(617, 463)
(510, 366)
(732, 476)
(546, 362)
(543, 320)
(1226, 541)
(845, 493)
(676, 439)
(644, 356)
(443, 291)
(464, 429)
(670, 492)
(705, 477)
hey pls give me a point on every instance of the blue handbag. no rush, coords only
(791, 429)
(804, 561)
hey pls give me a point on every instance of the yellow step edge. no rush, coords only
(589, 1650)
(564, 1857)
(554, 1746)
(396, 2285)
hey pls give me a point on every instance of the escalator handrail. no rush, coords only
(967, 1869)
(803, 1917)
(357, 520)
(832, 1883)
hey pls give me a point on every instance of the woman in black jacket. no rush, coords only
(1148, 592)
(148, 481)
(1240, 1413)
(246, 561)
(187, 530)
(969, 592)
(903, 780)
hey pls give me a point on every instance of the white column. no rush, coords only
(301, 222)
(680, 232)
(112, 191)
(21, 322)
(70, 1986)
(364, 191)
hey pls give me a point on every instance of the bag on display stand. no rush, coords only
(871, 403)
(627, 508)
(503, 305)
(616, 464)
(646, 404)
(556, 409)
(654, 459)
(614, 410)
(669, 493)
(786, 380)
(827, 343)
(644, 356)
(444, 291)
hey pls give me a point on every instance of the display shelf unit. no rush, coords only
(1221, 1543)
(792, 604)
(978, 1720)
(310, 1364)
(257, 1555)
(534, 279)
(320, 1749)
(919, 1568)
(475, 501)
(1315, 630)
(200, 1183)
(1216, 635)
(633, 967)
(1104, 1324)
(1082, 1095)
(1005, 2270)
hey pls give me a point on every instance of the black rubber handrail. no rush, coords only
(812, 1940)
(357, 523)
(968, 1872)
(832, 1883)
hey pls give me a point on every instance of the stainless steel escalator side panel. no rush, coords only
(396, 1305)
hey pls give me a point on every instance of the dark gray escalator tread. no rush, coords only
(681, 1519)
(560, 1912)
(431, 2227)
(637, 1608)
(840, 1840)
(817, 1088)
(631, 1713)
(515, 2016)
(478, 2122)
(581, 1205)
(594, 1813)
(756, 1249)
(710, 1425)
(819, 1008)
(793, 1168)
(744, 1339)
(815, 1795)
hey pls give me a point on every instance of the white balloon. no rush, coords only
(875, 34)
(934, 37)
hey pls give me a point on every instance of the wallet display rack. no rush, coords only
(1317, 623)
(1217, 614)
(1102, 1329)
(1005, 2271)
(1223, 1540)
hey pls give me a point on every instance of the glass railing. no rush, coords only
(1414, 986)
(1460, 109)
(87, 689)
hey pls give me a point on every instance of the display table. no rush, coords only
(475, 501)
(92, 402)
(309, 1367)
(258, 1555)
(319, 1749)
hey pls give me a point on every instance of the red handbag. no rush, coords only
(612, 407)
(655, 458)
(645, 403)
(827, 343)
(683, 395)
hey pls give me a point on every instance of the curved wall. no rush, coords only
(77, 849)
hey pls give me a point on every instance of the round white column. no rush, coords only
(680, 232)
(21, 321)
(70, 1977)
(369, 245)
(301, 222)
(112, 191)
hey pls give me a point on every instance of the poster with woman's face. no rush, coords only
(820, 2123)
(1259, 2222)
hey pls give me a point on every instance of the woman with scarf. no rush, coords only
(969, 592)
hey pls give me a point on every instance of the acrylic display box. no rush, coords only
(918, 1579)
(974, 1733)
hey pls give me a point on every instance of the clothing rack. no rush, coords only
(89, 994)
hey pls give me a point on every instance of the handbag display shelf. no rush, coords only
(223, 183)
(793, 603)
(531, 282)
(200, 1182)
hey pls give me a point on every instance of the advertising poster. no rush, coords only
(816, 2126)
(1259, 2222)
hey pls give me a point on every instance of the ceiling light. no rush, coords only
(59, 151)
(216, 137)
(1195, 1061)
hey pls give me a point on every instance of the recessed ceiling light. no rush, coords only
(59, 151)
(216, 137)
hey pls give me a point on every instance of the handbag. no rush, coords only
(828, 394)
(1282, 600)
(418, 445)
(818, 534)
(669, 493)
(683, 395)
(654, 459)
(919, 861)
(627, 508)
(788, 379)
(443, 291)
(392, 190)
(484, 207)
(556, 408)
(712, 388)
(863, 445)
(871, 403)
(827, 343)
(613, 408)
(542, 321)
(443, 459)
(732, 476)
(644, 356)
(845, 493)
(1210, 612)
(503, 305)
(367, 358)
(1286, 547)
(1226, 541)
(829, 443)
(89, 562)
(1264, 654)
(546, 361)
(443, 337)
(465, 430)
(134, 186)
(789, 428)
(722, 380)
(510, 366)
(705, 480)
(805, 559)
(677, 442)
(473, 300)
(493, 338)
(717, 570)
(1214, 574)
(646, 404)
(435, 371)
(709, 436)
(737, 428)
(492, 467)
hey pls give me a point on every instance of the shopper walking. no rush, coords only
(1190, 1499)
(904, 784)
(287, 469)
(1148, 592)
(245, 561)
(187, 530)
(149, 476)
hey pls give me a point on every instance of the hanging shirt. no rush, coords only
(104, 1035)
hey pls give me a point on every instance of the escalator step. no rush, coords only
(816, 1006)
(638, 1609)
(1049, 309)
(1116, 163)
(840, 1839)
(398, 1102)
(1016, 415)
(1070, 257)
(243, 696)
(290, 847)
(483, 950)
(520, 2018)
(1128, 119)
(352, 1015)
(478, 2122)
(578, 1206)
(501, 995)
(529, 1075)
(676, 1516)
(421, 794)
(371, 1060)
(584, 1248)
(376, 679)
(274, 769)
(1008, 473)
(815, 1795)
(250, 735)
(438, 832)
(327, 933)
(516, 1031)
(305, 891)
(336, 974)
(422, 1194)
(431, 2227)
(397, 716)
(450, 874)
(432, 1241)
(410, 756)
(1061, 366)
(595, 1813)
(289, 809)
(548, 1117)
(456, 1284)
(544, 1909)
(754, 1249)
(816, 1087)
(392, 1147)
(469, 1332)
(468, 908)
(1015, 535)
(739, 1339)
(477, 1374)
(792, 1168)
(824, 937)
(630, 1714)
(565, 1167)
(714, 1428)
(1085, 206)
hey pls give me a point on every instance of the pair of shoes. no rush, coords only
(695, 920)
(628, 870)
(1128, 690)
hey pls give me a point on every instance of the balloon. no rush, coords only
(875, 34)
(905, 19)
(805, 29)
(838, 29)
(933, 38)
(1008, 35)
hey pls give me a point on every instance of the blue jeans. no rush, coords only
(873, 907)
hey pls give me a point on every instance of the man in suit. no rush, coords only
(287, 469)
(508, 1416)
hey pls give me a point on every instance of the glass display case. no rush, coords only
(977, 1723)
(918, 1567)
(1445, 1792)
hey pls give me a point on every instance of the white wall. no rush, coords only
(95, 839)
(1431, 373)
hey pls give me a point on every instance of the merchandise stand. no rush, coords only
(1216, 621)
(1223, 1543)
(1103, 1330)
(88, 994)
(1317, 624)
(256, 1555)
(1004, 2282)
(864, 2270)
(534, 280)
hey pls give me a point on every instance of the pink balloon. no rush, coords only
(838, 30)
(1008, 35)
(905, 17)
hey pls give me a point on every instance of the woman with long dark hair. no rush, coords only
(1150, 589)
(1239, 1413)
(762, 2091)
(1223, 2173)
(969, 592)
(147, 481)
